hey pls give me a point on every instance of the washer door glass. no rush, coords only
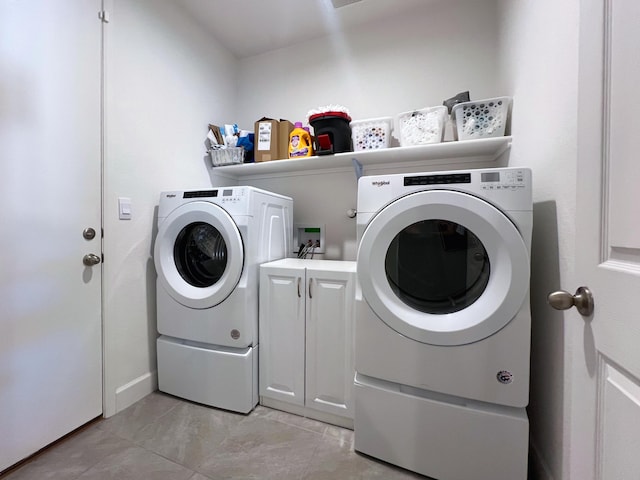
(200, 253)
(437, 266)
(443, 267)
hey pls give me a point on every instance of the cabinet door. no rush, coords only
(330, 367)
(281, 334)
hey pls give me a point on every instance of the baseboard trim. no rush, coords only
(135, 390)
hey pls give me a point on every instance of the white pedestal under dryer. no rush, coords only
(443, 322)
(208, 249)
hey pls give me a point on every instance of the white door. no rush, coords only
(50, 320)
(605, 405)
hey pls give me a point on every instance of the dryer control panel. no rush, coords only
(439, 179)
(508, 187)
(500, 180)
(489, 179)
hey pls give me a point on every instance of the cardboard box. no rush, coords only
(266, 140)
(285, 127)
(271, 139)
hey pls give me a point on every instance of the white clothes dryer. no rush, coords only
(208, 249)
(443, 322)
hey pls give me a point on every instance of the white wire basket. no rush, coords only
(227, 156)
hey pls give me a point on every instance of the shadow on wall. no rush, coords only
(547, 344)
(151, 295)
(216, 179)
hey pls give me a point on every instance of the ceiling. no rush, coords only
(251, 27)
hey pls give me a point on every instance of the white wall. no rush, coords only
(539, 44)
(379, 70)
(166, 80)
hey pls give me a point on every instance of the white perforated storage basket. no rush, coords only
(420, 127)
(480, 118)
(371, 134)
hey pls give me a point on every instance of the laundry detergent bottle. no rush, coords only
(300, 142)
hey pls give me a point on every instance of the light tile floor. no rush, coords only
(163, 437)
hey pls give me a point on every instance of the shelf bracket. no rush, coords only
(501, 150)
(357, 166)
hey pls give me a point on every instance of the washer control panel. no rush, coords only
(224, 195)
(232, 195)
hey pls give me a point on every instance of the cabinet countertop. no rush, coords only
(318, 264)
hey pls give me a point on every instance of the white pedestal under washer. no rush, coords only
(209, 246)
(443, 322)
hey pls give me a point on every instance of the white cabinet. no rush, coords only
(282, 332)
(306, 338)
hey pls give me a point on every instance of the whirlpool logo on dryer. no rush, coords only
(380, 183)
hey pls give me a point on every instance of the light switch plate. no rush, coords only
(124, 208)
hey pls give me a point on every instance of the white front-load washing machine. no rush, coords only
(443, 322)
(208, 249)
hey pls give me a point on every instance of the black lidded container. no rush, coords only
(332, 131)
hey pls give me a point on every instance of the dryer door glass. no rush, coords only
(200, 254)
(437, 266)
(443, 267)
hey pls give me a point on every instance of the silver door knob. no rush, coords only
(90, 259)
(582, 300)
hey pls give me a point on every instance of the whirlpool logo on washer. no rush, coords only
(380, 183)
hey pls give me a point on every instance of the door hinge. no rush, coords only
(104, 16)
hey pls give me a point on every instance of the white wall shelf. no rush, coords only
(468, 151)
